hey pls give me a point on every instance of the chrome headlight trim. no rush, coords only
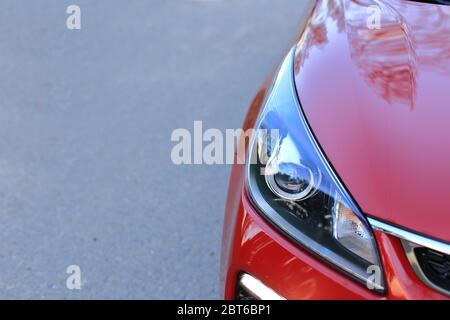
(410, 236)
(411, 241)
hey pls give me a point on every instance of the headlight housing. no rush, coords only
(291, 183)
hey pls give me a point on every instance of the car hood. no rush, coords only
(377, 99)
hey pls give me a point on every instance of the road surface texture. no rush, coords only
(86, 117)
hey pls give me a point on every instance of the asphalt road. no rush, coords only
(86, 117)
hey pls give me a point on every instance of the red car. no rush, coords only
(345, 193)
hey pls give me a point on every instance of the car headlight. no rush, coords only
(291, 183)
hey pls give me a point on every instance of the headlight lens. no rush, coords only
(293, 186)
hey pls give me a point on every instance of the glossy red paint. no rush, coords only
(378, 112)
(378, 103)
(251, 245)
(260, 250)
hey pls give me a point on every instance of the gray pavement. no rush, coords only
(85, 123)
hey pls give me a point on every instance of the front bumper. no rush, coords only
(251, 246)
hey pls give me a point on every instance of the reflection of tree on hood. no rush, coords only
(432, 52)
(386, 58)
(316, 33)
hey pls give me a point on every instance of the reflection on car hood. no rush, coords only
(373, 78)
